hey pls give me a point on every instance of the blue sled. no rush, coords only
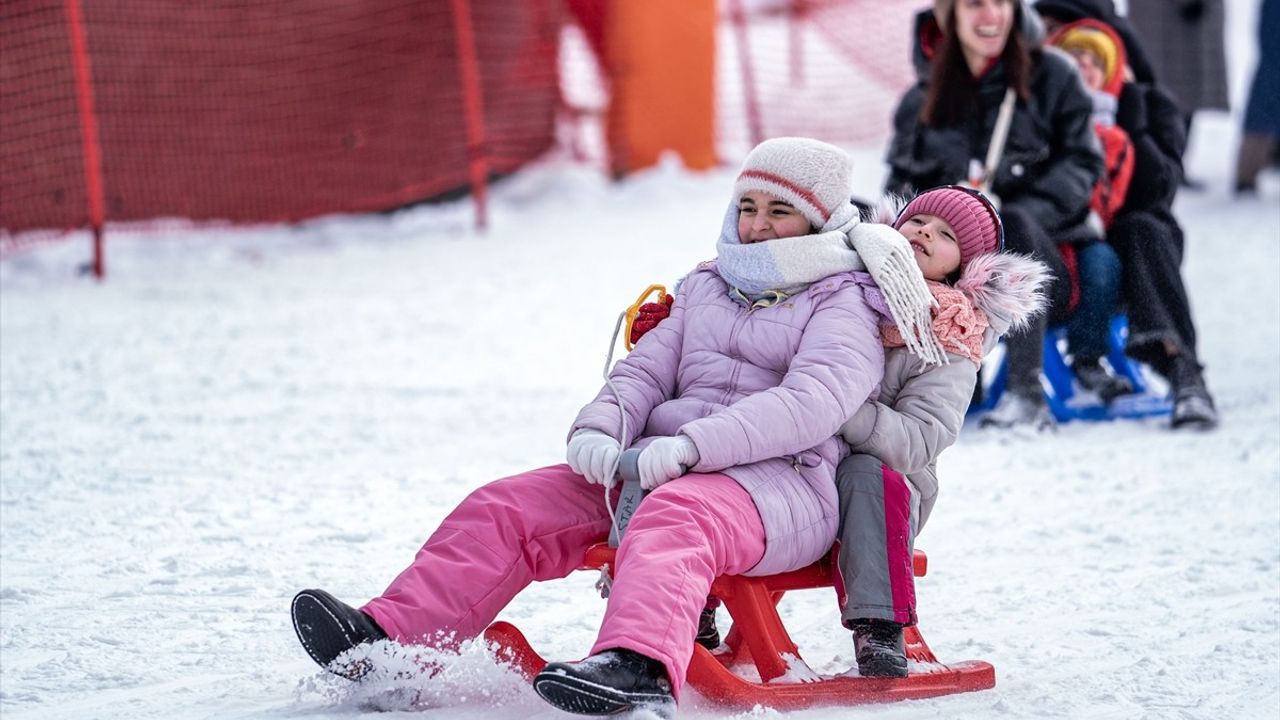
(1060, 392)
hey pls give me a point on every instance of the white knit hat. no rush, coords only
(815, 177)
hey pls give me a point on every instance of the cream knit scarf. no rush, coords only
(787, 266)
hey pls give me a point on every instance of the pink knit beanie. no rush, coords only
(970, 215)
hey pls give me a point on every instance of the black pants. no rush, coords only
(1150, 249)
(1023, 234)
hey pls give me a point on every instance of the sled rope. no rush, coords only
(622, 411)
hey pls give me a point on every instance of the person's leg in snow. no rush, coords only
(1162, 333)
(1089, 327)
(1023, 403)
(684, 534)
(504, 535)
(877, 536)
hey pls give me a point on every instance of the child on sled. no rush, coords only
(1095, 268)
(888, 486)
(737, 400)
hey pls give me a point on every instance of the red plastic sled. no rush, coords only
(758, 636)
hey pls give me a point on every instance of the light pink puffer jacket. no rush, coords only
(761, 392)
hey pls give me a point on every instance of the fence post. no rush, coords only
(88, 132)
(473, 107)
(797, 14)
(754, 126)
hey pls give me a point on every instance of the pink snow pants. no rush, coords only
(537, 525)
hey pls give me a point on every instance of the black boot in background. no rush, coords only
(1094, 377)
(1192, 405)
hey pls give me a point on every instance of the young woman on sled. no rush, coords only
(736, 399)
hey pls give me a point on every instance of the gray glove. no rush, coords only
(857, 429)
(666, 459)
(593, 455)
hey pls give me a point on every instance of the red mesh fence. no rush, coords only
(262, 111)
(828, 69)
(277, 110)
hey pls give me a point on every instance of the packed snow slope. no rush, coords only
(239, 413)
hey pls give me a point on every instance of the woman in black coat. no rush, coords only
(1145, 233)
(970, 56)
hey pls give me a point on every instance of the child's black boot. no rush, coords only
(880, 648)
(708, 634)
(328, 627)
(1093, 376)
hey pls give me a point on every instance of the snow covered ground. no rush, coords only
(240, 413)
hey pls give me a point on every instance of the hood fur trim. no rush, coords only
(887, 208)
(1008, 287)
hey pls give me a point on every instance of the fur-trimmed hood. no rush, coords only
(1007, 287)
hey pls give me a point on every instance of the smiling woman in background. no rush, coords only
(972, 57)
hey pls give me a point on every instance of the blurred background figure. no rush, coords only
(976, 60)
(1184, 41)
(1260, 141)
(1145, 233)
(1099, 53)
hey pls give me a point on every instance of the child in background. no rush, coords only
(1100, 56)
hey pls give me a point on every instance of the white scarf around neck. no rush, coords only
(788, 266)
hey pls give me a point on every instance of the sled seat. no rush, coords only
(1058, 379)
(759, 637)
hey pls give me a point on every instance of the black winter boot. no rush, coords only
(608, 683)
(1192, 405)
(328, 627)
(880, 648)
(708, 634)
(1092, 376)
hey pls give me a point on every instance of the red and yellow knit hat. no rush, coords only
(1100, 39)
(1086, 39)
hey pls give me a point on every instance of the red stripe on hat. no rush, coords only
(805, 193)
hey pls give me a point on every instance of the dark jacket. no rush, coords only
(1051, 159)
(1154, 124)
(1147, 112)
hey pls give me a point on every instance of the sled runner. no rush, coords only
(759, 637)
